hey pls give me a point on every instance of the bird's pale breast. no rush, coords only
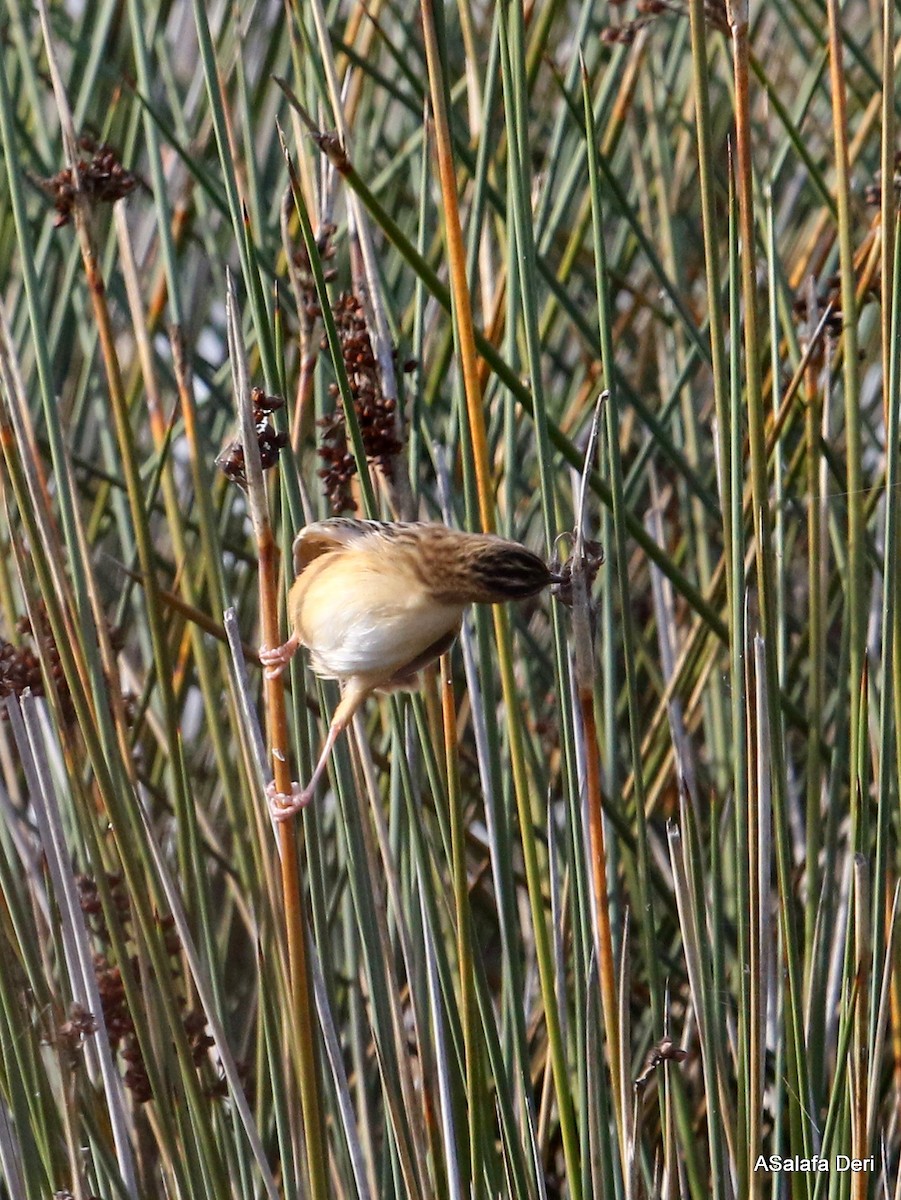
(357, 618)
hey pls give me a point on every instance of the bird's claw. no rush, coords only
(283, 805)
(276, 658)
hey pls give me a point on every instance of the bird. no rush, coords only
(375, 602)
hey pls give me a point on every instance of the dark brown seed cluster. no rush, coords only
(310, 311)
(80, 1024)
(340, 466)
(20, 668)
(101, 177)
(375, 412)
(269, 439)
(117, 1016)
(649, 10)
(330, 144)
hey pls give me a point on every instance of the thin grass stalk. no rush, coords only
(28, 1167)
(889, 741)
(361, 32)
(233, 201)
(853, 429)
(881, 878)
(888, 228)
(558, 888)
(10, 1157)
(29, 736)
(242, 136)
(564, 168)
(480, 694)
(626, 210)
(732, 478)
(682, 755)
(160, 431)
(770, 255)
(394, 1029)
(604, 938)
(838, 1098)
(666, 164)
(492, 278)
(474, 1099)
(893, 548)
(363, 878)
(758, 872)
(510, 1133)
(513, 70)
(301, 1012)
(390, 1025)
(20, 448)
(862, 951)
(481, 698)
(738, 22)
(818, 248)
(513, 74)
(718, 1024)
(792, 122)
(601, 1151)
(339, 1077)
(816, 637)
(890, 699)
(784, 1119)
(690, 928)
(418, 323)
(301, 420)
(466, 345)
(643, 901)
(170, 290)
(451, 1149)
(211, 553)
(138, 24)
(463, 324)
(583, 654)
(719, 1119)
(628, 1097)
(273, 971)
(615, 108)
(882, 1014)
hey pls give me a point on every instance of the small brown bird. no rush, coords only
(376, 601)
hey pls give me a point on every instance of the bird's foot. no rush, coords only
(276, 658)
(283, 806)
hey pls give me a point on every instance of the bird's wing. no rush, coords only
(322, 537)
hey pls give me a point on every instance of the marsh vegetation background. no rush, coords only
(609, 907)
